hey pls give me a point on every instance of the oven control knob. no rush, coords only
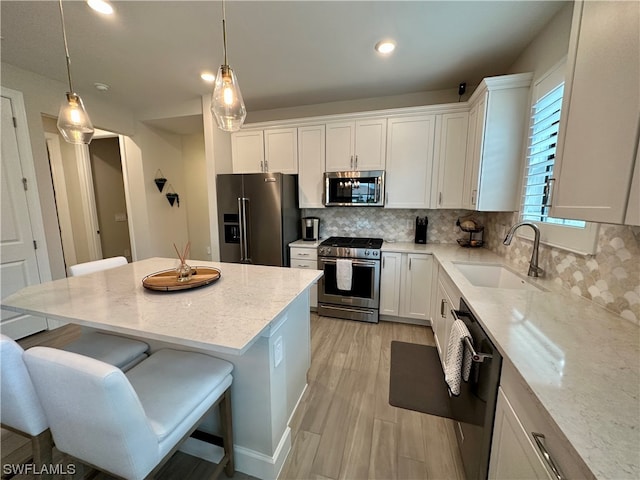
(366, 253)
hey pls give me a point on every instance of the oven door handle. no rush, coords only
(359, 263)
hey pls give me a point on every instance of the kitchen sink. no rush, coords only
(493, 275)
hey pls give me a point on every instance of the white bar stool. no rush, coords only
(130, 425)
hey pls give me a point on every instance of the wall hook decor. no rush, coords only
(160, 180)
(172, 196)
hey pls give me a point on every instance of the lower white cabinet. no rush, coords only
(405, 285)
(527, 443)
(447, 298)
(306, 257)
(513, 455)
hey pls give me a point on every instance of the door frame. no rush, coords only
(88, 197)
(29, 172)
(62, 200)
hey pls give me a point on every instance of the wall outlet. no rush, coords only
(278, 352)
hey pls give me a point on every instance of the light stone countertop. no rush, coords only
(306, 243)
(226, 316)
(581, 361)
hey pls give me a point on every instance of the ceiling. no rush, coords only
(285, 53)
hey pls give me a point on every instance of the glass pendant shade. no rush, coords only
(226, 102)
(73, 121)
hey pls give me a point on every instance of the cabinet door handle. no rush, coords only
(303, 254)
(303, 266)
(383, 258)
(356, 162)
(473, 197)
(539, 437)
(261, 166)
(351, 163)
(409, 264)
(440, 198)
(443, 302)
(266, 165)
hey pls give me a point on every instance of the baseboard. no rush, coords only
(412, 321)
(247, 461)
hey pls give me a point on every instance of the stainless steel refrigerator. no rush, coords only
(258, 217)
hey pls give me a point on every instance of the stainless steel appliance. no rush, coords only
(310, 228)
(257, 217)
(477, 400)
(359, 189)
(362, 300)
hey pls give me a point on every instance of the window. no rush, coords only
(545, 121)
(574, 235)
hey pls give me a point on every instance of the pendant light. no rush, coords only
(226, 102)
(73, 121)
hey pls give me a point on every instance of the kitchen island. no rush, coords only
(256, 317)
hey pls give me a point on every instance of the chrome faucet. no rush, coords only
(534, 269)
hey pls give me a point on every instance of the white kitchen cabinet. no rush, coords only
(598, 132)
(497, 121)
(271, 150)
(356, 145)
(416, 291)
(450, 157)
(281, 150)
(520, 418)
(311, 148)
(306, 257)
(390, 272)
(513, 455)
(405, 286)
(409, 161)
(247, 151)
(447, 298)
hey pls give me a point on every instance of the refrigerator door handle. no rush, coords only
(245, 252)
(241, 225)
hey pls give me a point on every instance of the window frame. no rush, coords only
(578, 240)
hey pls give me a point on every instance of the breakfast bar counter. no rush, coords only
(256, 317)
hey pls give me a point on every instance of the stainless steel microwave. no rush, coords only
(354, 189)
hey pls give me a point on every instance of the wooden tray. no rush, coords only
(167, 281)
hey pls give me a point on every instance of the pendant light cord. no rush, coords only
(224, 33)
(66, 48)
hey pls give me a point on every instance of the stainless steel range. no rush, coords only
(350, 286)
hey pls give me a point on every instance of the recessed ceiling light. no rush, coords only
(103, 87)
(385, 46)
(101, 6)
(208, 77)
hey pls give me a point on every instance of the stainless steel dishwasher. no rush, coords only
(476, 403)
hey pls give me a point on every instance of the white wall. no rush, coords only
(44, 96)
(196, 196)
(548, 47)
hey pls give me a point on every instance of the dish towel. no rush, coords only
(344, 274)
(458, 358)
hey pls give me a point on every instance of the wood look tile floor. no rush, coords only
(344, 427)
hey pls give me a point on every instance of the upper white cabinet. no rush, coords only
(247, 151)
(409, 161)
(497, 121)
(450, 153)
(356, 145)
(271, 150)
(600, 113)
(281, 150)
(311, 145)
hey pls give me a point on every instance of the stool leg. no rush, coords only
(227, 435)
(42, 450)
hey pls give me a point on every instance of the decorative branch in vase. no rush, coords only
(183, 271)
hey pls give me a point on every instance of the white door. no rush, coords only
(18, 262)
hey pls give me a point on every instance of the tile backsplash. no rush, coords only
(610, 277)
(389, 224)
